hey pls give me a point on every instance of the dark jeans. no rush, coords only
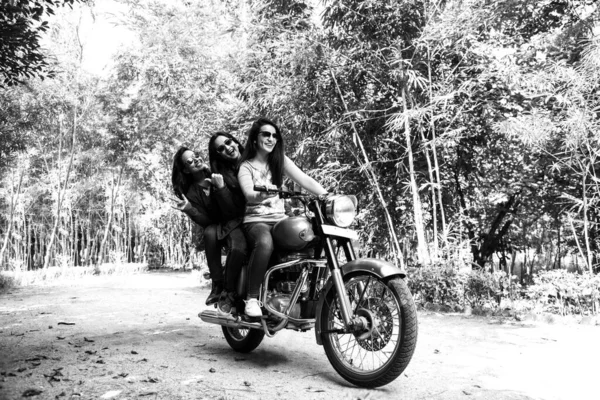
(260, 243)
(212, 248)
(236, 241)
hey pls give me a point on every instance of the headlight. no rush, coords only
(341, 210)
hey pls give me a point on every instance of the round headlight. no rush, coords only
(341, 210)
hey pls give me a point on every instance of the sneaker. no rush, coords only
(225, 304)
(253, 308)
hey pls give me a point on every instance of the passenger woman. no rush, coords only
(224, 153)
(203, 197)
(264, 162)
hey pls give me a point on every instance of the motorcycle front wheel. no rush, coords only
(243, 340)
(379, 354)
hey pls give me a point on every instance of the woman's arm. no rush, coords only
(196, 209)
(199, 215)
(298, 176)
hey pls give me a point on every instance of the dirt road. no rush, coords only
(139, 337)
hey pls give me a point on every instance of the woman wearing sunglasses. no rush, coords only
(224, 153)
(204, 196)
(263, 162)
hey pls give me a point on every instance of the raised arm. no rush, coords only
(298, 176)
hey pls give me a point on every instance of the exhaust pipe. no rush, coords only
(214, 317)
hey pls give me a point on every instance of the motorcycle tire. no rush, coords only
(379, 355)
(243, 340)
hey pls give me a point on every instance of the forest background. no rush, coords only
(469, 130)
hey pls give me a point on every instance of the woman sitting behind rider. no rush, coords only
(224, 153)
(264, 163)
(204, 197)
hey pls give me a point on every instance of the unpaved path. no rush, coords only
(138, 337)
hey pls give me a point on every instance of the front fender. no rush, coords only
(368, 266)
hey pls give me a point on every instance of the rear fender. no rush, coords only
(371, 266)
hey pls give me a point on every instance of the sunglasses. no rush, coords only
(221, 148)
(192, 160)
(269, 134)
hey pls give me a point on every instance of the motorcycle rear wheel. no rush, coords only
(243, 340)
(378, 356)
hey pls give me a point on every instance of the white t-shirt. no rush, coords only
(271, 209)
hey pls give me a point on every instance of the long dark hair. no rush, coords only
(179, 179)
(275, 158)
(219, 165)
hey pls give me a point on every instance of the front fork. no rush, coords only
(351, 320)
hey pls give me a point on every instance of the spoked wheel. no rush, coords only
(378, 354)
(243, 340)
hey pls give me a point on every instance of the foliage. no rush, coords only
(437, 285)
(566, 293)
(22, 25)
(494, 104)
(553, 291)
(6, 282)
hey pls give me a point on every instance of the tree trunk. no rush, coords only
(14, 198)
(61, 191)
(432, 190)
(436, 165)
(114, 191)
(373, 180)
(586, 224)
(422, 253)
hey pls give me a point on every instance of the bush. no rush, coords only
(6, 282)
(487, 289)
(562, 292)
(437, 285)
(556, 291)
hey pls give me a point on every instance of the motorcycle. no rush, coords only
(361, 309)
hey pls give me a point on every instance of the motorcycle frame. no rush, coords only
(375, 267)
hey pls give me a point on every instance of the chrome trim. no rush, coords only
(339, 232)
(214, 317)
(298, 288)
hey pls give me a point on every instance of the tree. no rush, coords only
(21, 26)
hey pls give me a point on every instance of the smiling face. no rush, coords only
(227, 148)
(193, 163)
(267, 139)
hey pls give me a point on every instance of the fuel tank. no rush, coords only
(293, 233)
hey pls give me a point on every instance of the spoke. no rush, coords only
(372, 352)
(385, 333)
(347, 344)
(379, 358)
(362, 359)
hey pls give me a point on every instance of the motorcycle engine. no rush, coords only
(280, 303)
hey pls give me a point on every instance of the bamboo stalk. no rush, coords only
(588, 259)
(417, 212)
(61, 189)
(373, 179)
(13, 201)
(433, 148)
(114, 189)
(577, 242)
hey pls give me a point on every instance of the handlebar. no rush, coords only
(285, 193)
